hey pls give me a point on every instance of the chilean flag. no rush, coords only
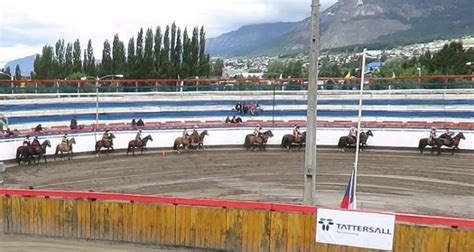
(348, 201)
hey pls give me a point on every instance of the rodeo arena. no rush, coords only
(318, 164)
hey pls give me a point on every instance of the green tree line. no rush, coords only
(151, 54)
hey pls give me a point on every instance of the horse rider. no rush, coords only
(258, 130)
(65, 140)
(296, 132)
(26, 142)
(35, 144)
(195, 130)
(432, 135)
(448, 135)
(353, 133)
(138, 137)
(106, 137)
(185, 133)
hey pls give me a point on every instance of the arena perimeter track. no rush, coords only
(389, 180)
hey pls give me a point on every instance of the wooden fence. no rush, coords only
(210, 224)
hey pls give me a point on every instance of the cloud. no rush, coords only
(33, 23)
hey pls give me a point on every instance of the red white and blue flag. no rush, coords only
(349, 201)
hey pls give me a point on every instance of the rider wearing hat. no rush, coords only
(448, 134)
(185, 133)
(64, 139)
(296, 132)
(258, 130)
(26, 142)
(353, 133)
(35, 144)
(432, 135)
(106, 136)
(138, 137)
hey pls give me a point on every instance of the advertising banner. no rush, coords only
(356, 229)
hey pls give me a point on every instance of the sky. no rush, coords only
(27, 25)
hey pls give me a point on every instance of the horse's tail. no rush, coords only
(247, 141)
(342, 142)
(175, 145)
(129, 147)
(420, 144)
(97, 146)
(283, 142)
(18, 154)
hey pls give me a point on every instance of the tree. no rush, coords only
(157, 52)
(217, 68)
(139, 55)
(147, 67)
(204, 67)
(186, 55)
(195, 52)
(44, 63)
(106, 66)
(131, 59)
(118, 56)
(59, 58)
(7, 71)
(165, 61)
(172, 70)
(178, 50)
(76, 55)
(89, 60)
(17, 72)
(68, 60)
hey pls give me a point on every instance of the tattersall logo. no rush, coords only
(326, 223)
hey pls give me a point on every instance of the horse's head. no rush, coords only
(148, 138)
(369, 133)
(268, 133)
(460, 135)
(46, 143)
(112, 136)
(202, 135)
(72, 141)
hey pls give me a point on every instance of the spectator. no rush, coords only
(258, 109)
(9, 132)
(238, 107)
(134, 123)
(140, 123)
(227, 120)
(238, 119)
(73, 124)
(246, 109)
(38, 128)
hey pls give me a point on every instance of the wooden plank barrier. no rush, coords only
(263, 227)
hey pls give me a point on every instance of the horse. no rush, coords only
(65, 147)
(290, 140)
(41, 151)
(138, 144)
(197, 140)
(437, 143)
(181, 141)
(346, 141)
(108, 144)
(261, 140)
(24, 154)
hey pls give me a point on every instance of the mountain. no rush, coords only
(349, 23)
(26, 65)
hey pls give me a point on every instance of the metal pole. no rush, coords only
(361, 93)
(96, 108)
(273, 111)
(310, 151)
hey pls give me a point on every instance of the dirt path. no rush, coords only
(400, 181)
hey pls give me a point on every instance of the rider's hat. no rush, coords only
(28, 136)
(139, 130)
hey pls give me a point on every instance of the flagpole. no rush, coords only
(361, 93)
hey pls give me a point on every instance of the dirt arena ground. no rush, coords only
(389, 180)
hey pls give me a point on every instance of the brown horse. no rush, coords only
(288, 141)
(181, 142)
(40, 151)
(197, 140)
(440, 141)
(65, 147)
(107, 144)
(346, 141)
(261, 140)
(138, 144)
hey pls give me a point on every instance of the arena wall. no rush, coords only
(199, 223)
(383, 137)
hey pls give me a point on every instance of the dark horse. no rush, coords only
(24, 154)
(437, 143)
(288, 141)
(107, 144)
(261, 141)
(138, 144)
(197, 140)
(40, 151)
(346, 141)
